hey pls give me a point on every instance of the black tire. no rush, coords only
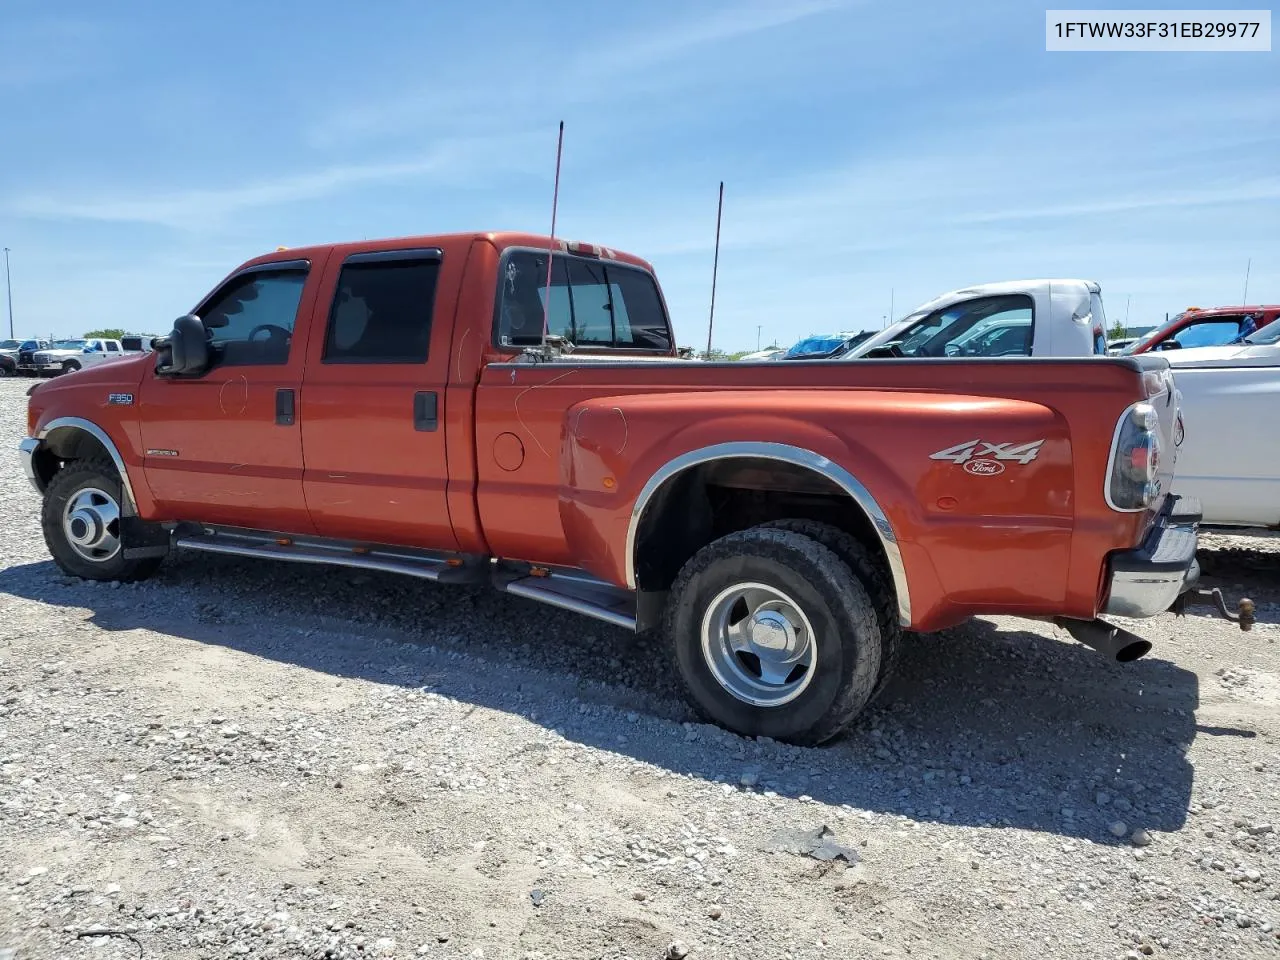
(5, 371)
(76, 477)
(71, 366)
(846, 662)
(875, 579)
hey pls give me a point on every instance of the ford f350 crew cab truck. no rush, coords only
(430, 406)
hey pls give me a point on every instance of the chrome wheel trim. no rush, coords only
(759, 644)
(91, 524)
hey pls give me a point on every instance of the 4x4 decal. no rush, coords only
(982, 458)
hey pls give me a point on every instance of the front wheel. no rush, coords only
(774, 636)
(71, 366)
(81, 518)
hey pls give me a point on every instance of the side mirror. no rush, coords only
(883, 352)
(185, 352)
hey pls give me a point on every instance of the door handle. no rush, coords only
(424, 410)
(284, 407)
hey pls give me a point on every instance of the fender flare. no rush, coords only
(95, 431)
(797, 456)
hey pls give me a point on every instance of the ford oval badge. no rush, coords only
(983, 467)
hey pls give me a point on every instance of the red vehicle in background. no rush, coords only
(1204, 327)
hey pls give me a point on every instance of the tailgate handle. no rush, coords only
(424, 410)
(284, 407)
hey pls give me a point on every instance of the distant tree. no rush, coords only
(715, 355)
(738, 355)
(113, 333)
(1117, 331)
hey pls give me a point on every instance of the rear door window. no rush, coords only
(594, 304)
(382, 308)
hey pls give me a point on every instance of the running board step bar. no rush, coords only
(574, 592)
(567, 589)
(440, 568)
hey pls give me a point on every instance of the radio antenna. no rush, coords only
(551, 249)
(715, 266)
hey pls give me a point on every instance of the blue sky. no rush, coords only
(867, 148)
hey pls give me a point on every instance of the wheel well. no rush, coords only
(64, 445)
(709, 500)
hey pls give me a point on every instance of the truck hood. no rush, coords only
(124, 372)
(1196, 355)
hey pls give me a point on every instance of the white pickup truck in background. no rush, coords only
(68, 356)
(1014, 318)
(1229, 454)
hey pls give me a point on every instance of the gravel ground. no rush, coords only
(240, 758)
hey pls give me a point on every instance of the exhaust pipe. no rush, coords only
(1114, 643)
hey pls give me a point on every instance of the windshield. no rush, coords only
(986, 327)
(1149, 338)
(68, 345)
(812, 345)
(1268, 334)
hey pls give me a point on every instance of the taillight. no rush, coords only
(1135, 460)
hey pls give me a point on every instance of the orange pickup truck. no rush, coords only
(473, 408)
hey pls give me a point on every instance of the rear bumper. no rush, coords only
(1147, 580)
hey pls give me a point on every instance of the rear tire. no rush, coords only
(874, 578)
(774, 636)
(71, 366)
(81, 522)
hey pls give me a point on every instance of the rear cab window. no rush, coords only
(594, 304)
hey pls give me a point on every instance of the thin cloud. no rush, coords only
(585, 78)
(1255, 192)
(48, 51)
(646, 50)
(181, 209)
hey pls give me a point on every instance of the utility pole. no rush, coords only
(9, 289)
(758, 326)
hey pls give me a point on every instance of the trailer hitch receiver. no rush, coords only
(1244, 609)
